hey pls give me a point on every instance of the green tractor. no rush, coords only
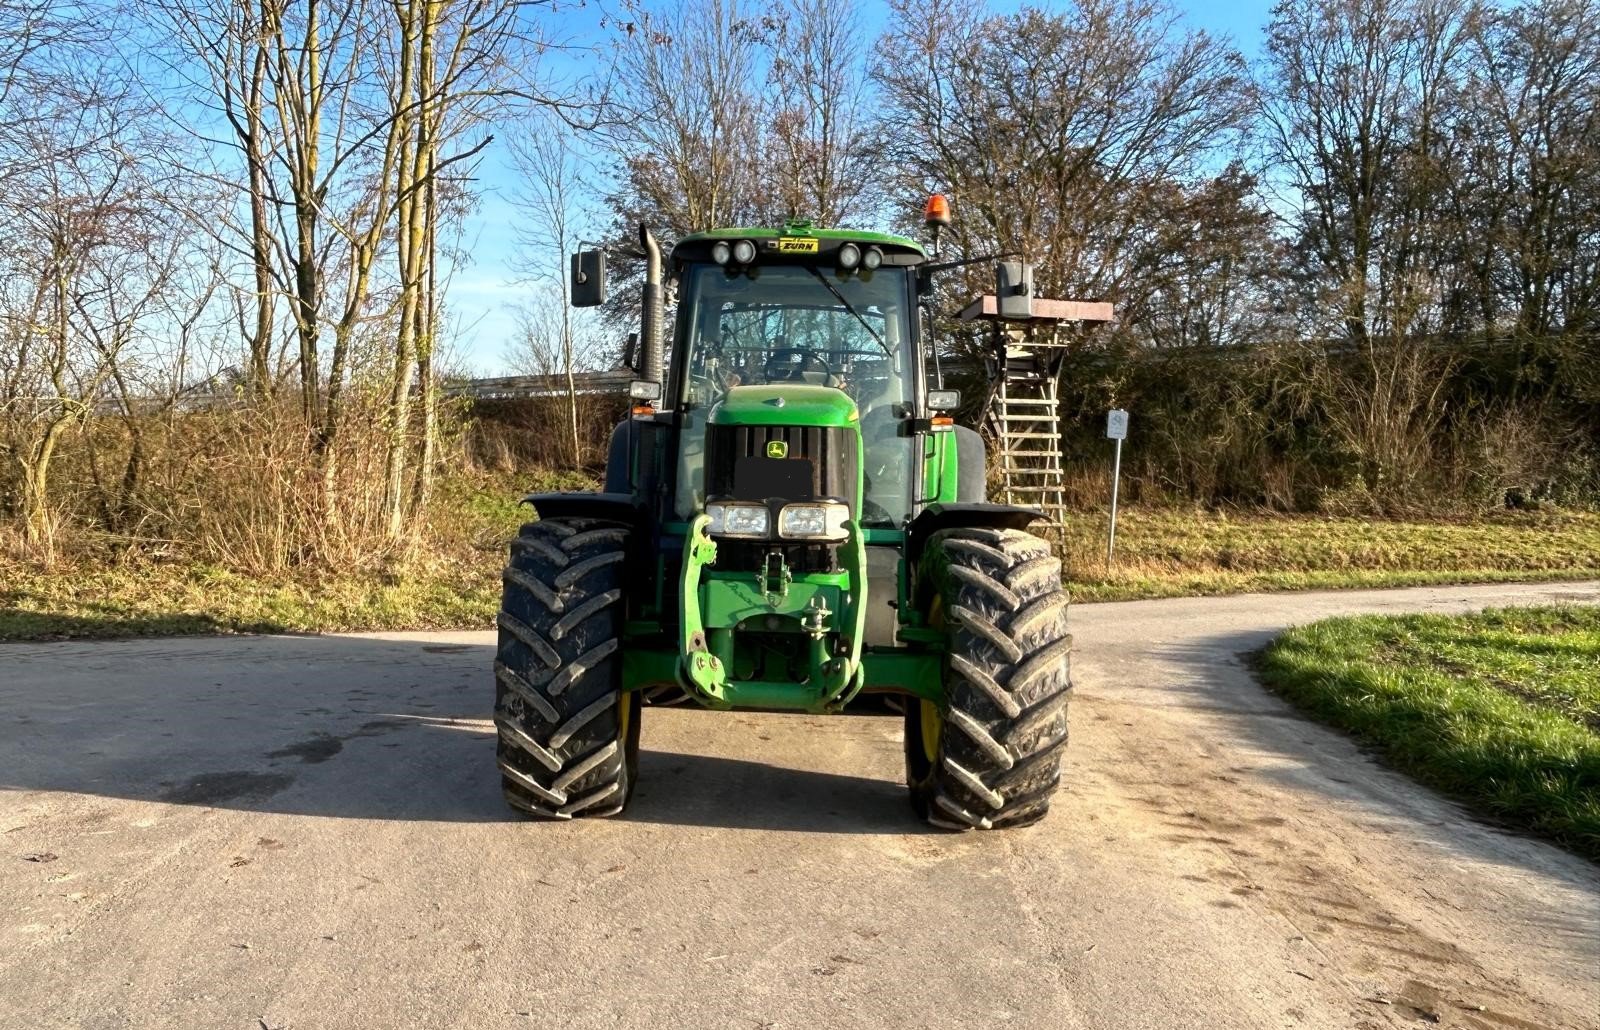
(791, 520)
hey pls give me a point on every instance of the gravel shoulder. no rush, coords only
(306, 832)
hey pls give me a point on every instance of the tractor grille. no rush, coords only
(830, 453)
(821, 464)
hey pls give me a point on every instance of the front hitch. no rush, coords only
(706, 652)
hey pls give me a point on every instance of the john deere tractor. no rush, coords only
(791, 519)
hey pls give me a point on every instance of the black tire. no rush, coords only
(991, 756)
(568, 733)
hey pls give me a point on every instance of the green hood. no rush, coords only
(785, 404)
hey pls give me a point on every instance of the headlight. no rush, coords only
(813, 521)
(849, 256)
(721, 253)
(738, 520)
(872, 258)
(744, 252)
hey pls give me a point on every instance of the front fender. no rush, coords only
(962, 514)
(611, 507)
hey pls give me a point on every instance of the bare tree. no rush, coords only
(350, 131)
(87, 261)
(550, 203)
(1212, 272)
(1361, 119)
(227, 49)
(452, 60)
(1355, 116)
(1050, 127)
(1537, 76)
(819, 124)
(689, 114)
(538, 348)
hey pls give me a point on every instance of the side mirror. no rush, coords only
(1013, 287)
(630, 352)
(944, 400)
(588, 278)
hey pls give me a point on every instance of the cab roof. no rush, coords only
(898, 250)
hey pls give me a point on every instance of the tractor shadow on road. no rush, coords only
(371, 728)
(735, 793)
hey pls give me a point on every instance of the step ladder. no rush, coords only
(1024, 347)
(1024, 421)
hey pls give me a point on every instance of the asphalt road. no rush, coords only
(299, 832)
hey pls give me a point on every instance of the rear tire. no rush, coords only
(568, 733)
(991, 755)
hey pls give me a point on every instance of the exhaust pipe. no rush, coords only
(650, 327)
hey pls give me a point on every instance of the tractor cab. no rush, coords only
(805, 317)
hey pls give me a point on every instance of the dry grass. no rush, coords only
(450, 579)
(1171, 553)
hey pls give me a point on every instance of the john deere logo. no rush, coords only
(777, 449)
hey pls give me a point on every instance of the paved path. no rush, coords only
(306, 832)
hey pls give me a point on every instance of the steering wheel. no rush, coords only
(781, 366)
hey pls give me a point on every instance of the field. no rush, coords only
(1174, 552)
(1501, 709)
(451, 579)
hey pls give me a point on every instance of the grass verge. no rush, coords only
(163, 600)
(1182, 553)
(1500, 709)
(451, 580)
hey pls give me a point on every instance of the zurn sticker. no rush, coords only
(797, 245)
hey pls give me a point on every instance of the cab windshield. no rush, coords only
(793, 324)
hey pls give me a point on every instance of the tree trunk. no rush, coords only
(572, 384)
(38, 526)
(427, 328)
(408, 240)
(260, 374)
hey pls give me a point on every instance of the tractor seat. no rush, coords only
(794, 365)
(815, 379)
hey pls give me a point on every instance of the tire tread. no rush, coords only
(1007, 682)
(557, 668)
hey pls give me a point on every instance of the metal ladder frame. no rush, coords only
(1024, 418)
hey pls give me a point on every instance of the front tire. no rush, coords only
(990, 756)
(568, 734)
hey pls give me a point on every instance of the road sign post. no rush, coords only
(1116, 429)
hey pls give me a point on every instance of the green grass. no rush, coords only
(1176, 552)
(452, 581)
(1500, 709)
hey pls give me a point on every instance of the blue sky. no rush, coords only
(484, 292)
